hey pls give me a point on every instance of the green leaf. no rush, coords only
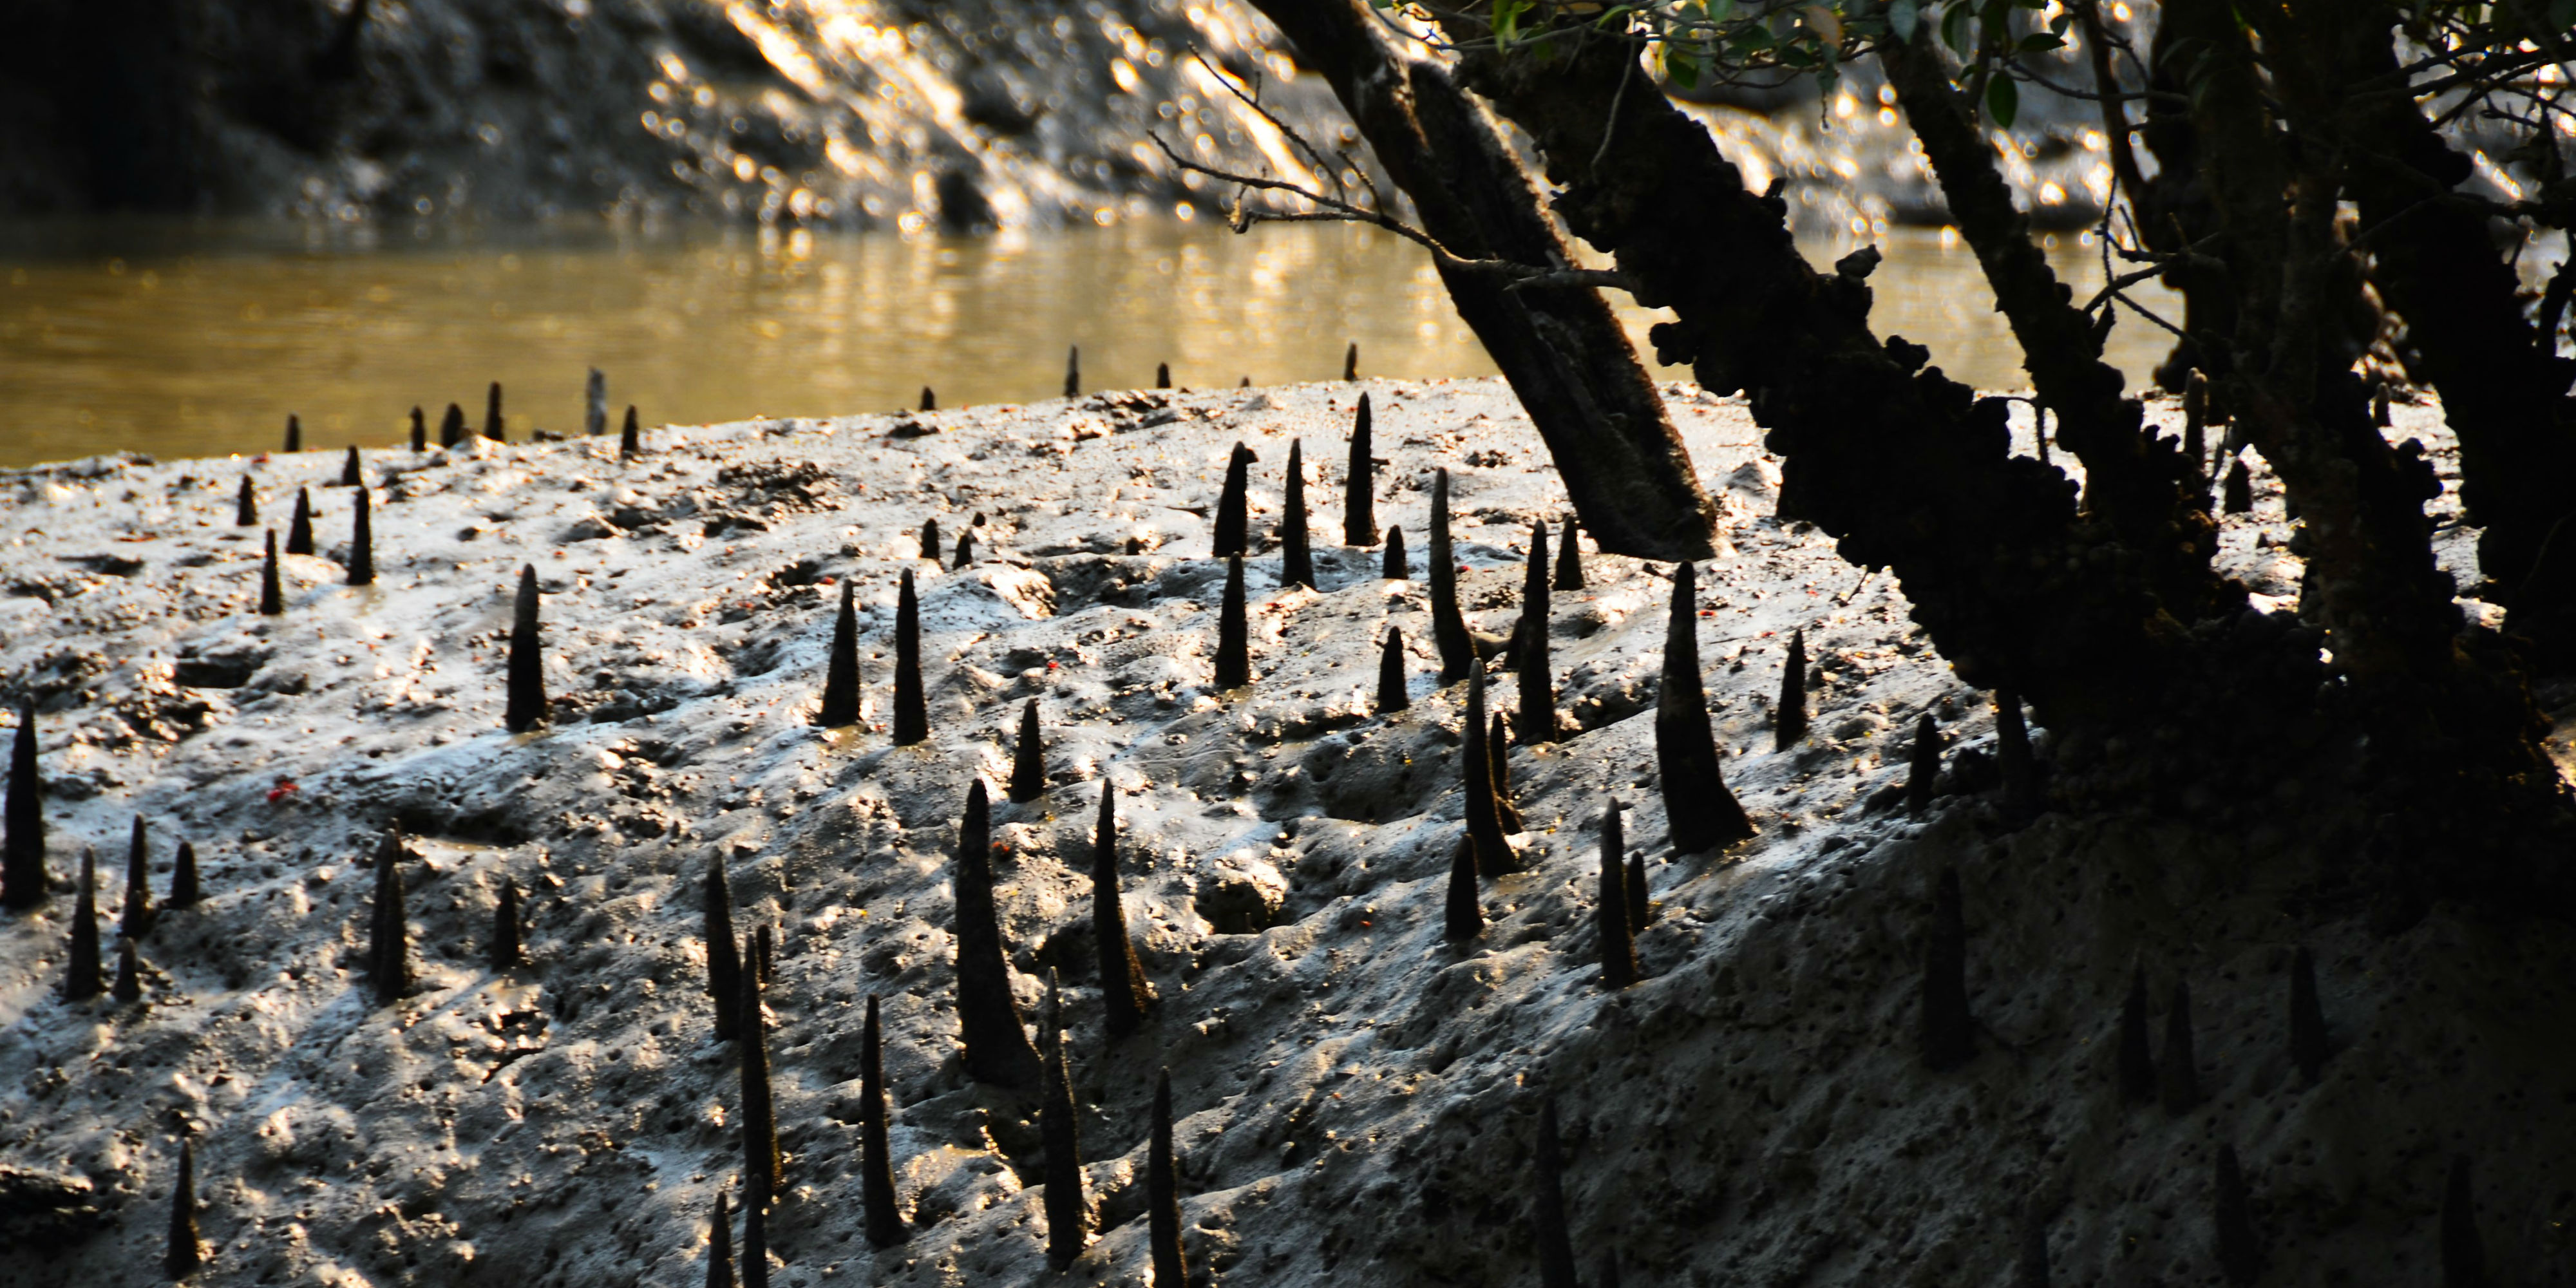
(1904, 14)
(2039, 42)
(1797, 56)
(1507, 19)
(1681, 65)
(2003, 101)
(1954, 29)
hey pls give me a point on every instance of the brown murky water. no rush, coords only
(195, 340)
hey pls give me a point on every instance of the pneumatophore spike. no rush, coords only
(2240, 1253)
(1125, 994)
(1391, 696)
(1640, 908)
(272, 596)
(930, 540)
(1494, 855)
(299, 529)
(630, 438)
(1163, 1192)
(1162, 375)
(1948, 1038)
(22, 848)
(1537, 722)
(1463, 918)
(1359, 483)
(997, 1047)
(2178, 1073)
(183, 1253)
(841, 665)
(1394, 569)
(1351, 361)
(911, 706)
(86, 975)
(451, 427)
(136, 920)
(1569, 561)
(724, 952)
(2464, 1252)
(720, 1246)
(1701, 812)
(594, 404)
(929, 400)
(2137, 1063)
(294, 434)
(390, 958)
(763, 954)
(1618, 938)
(755, 1242)
(1233, 633)
(183, 877)
(493, 426)
(419, 431)
(2379, 405)
(1448, 624)
(362, 539)
(2012, 754)
(1547, 1217)
(1073, 372)
(349, 475)
(2236, 494)
(1296, 557)
(246, 505)
(1028, 759)
(1789, 719)
(883, 1217)
(965, 549)
(1924, 769)
(1068, 1213)
(1231, 532)
(527, 708)
(129, 974)
(760, 1158)
(506, 952)
(1498, 749)
(2307, 1017)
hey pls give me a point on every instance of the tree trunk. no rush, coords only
(2141, 485)
(1909, 469)
(1561, 348)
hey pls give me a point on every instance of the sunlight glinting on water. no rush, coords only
(205, 345)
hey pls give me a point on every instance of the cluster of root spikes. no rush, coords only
(1704, 816)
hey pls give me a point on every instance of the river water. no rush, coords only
(196, 339)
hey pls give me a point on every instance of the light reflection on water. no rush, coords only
(193, 340)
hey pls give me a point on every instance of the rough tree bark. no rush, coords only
(2140, 484)
(2502, 385)
(2371, 577)
(1560, 347)
(1910, 470)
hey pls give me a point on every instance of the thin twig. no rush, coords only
(1295, 139)
(1611, 126)
(1335, 210)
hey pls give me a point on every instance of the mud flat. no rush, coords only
(1356, 1097)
